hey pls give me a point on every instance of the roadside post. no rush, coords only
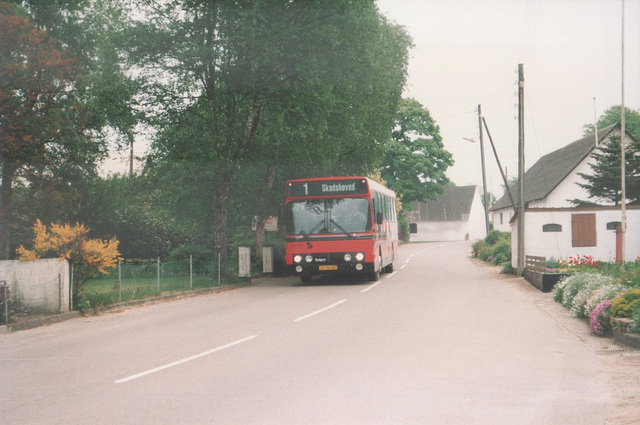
(267, 260)
(244, 262)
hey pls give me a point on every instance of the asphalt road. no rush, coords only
(442, 340)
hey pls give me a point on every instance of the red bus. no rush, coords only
(340, 225)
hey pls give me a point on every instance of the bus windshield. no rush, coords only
(329, 215)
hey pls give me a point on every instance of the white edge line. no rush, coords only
(319, 311)
(179, 362)
(370, 287)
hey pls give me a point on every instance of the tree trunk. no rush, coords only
(269, 178)
(6, 206)
(220, 220)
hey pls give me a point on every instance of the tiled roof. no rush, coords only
(453, 205)
(546, 174)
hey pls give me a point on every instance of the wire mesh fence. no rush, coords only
(132, 280)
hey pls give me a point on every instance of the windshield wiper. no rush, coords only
(351, 235)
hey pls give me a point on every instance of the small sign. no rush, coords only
(270, 224)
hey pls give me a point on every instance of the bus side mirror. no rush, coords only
(379, 218)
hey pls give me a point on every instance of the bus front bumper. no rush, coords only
(316, 269)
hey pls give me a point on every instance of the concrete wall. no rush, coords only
(558, 244)
(501, 218)
(477, 225)
(42, 285)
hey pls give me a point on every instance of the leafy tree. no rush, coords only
(604, 183)
(415, 161)
(268, 87)
(43, 120)
(612, 116)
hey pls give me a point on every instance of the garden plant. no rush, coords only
(600, 291)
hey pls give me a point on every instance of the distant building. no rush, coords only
(455, 215)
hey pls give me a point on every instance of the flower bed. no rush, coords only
(610, 301)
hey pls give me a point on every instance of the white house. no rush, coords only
(553, 227)
(455, 215)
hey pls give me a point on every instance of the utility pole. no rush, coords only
(521, 206)
(623, 204)
(131, 156)
(484, 174)
(595, 121)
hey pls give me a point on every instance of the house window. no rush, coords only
(613, 225)
(501, 214)
(552, 227)
(583, 230)
(413, 228)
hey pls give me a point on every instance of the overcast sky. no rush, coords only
(467, 53)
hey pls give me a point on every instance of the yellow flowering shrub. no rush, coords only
(71, 242)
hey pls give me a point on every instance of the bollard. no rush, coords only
(244, 262)
(5, 302)
(267, 260)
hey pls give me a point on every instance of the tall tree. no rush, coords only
(415, 161)
(269, 83)
(43, 121)
(604, 182)
(613, 116)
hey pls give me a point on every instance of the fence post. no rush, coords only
(119, 280)
(244, 262)
(158, 275)
(6, 303)
(59, 294)
(71, 290)
(267, 259)
(190, 271)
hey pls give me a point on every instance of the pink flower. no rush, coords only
(599, 319)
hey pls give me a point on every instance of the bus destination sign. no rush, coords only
(327, 187)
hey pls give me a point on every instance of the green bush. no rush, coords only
(626, 304)
(636, 320)
(500, 258)
(485, 252)
(558, 289)
(475, 248)
(494, 236)
(507, 268)
(501, 252)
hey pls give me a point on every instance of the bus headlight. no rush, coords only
(308, 258)
(360, 256)
(358, 266)
(297, 258)
(299, 269)
(347, 257)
